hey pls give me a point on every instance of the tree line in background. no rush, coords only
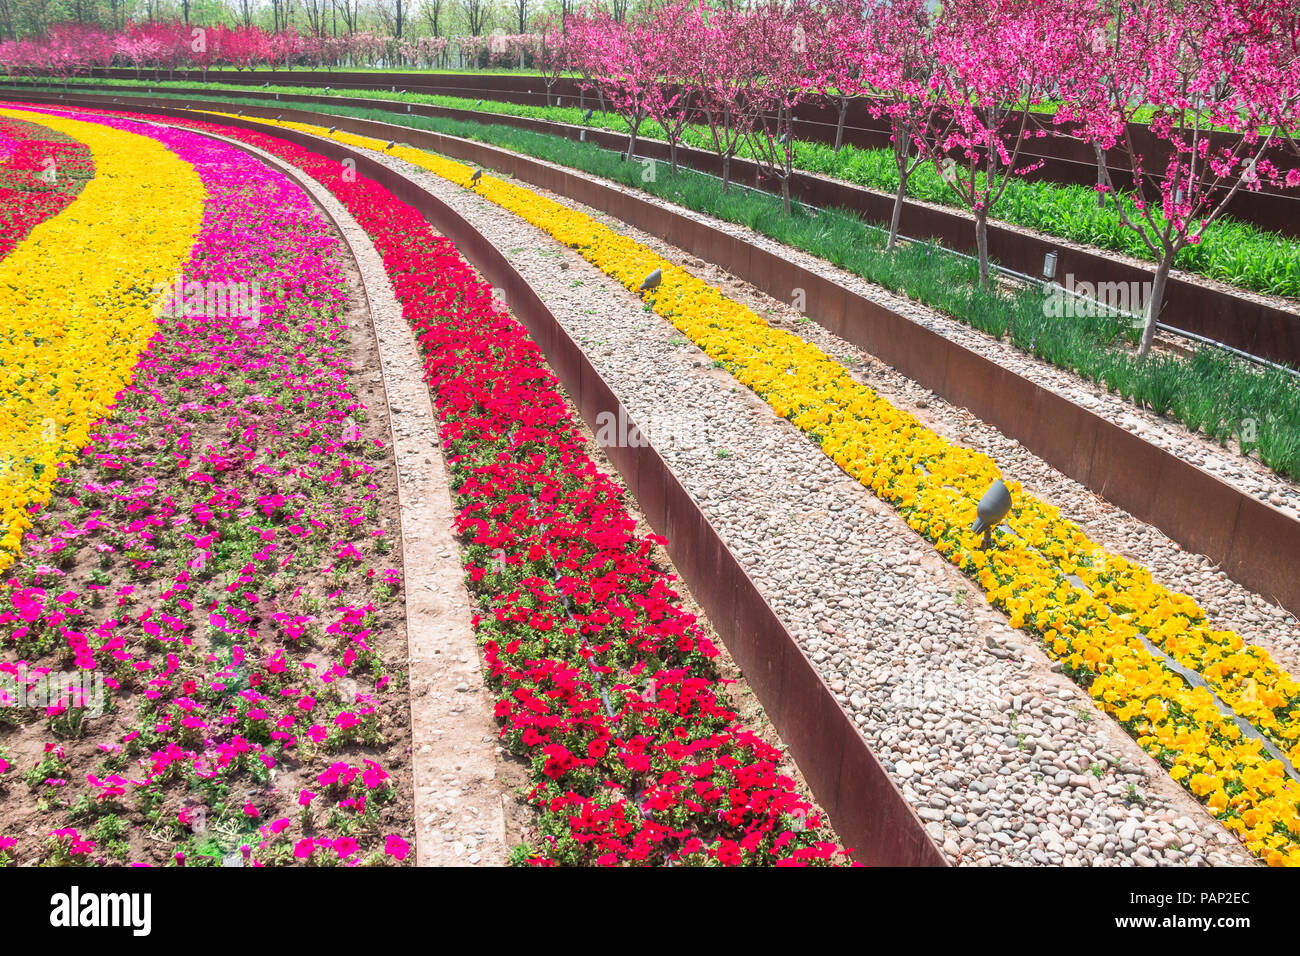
(71, 49)
(308, 18)
(966, 86)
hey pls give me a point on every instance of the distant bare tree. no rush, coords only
(477, 14)
(432, 12)
(315, 12)
(351, 10)
(392, 14)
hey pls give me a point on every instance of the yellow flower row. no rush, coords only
(76, 301)
(1091, 608)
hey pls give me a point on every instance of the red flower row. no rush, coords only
(38, 179)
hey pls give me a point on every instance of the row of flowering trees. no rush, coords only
(968, 85)
(69, 49)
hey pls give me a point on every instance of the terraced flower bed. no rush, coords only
(1094, 611)
(198, 638)
(41, 171)
(316, 553)
(604, 683)
(77, 295)
(1209, 392)
(254, 693)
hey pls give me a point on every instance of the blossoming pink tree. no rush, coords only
(625, 70)
(245, 47)
(716, 69)
(1213, 76)
(781, 72)
(995, 59)
(898, 64)
(582, 32)
(552, 53)
(838, 55)
(136, 48)
(669, 92)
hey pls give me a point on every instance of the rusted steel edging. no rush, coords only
(1240, 321)
(1254, 543)
(864, 804)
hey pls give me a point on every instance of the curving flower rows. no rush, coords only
(604, 682)
(215, 560)
(1092, 609)
(76, 307)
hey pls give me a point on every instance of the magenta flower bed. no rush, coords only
(216, 560)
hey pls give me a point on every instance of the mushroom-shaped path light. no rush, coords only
(993, 507)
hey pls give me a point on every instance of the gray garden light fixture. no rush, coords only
(993, 507)
(651, 281)
(478, 174)
(586, 117)
(1049, 266)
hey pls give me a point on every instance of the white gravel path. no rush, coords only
(1006, 761)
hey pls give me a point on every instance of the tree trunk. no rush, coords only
(785, 194)
(982, 245)
(898, 209)
(631, 145)
(839, 126)
(1101, 173)
(1156, 304)
(726, 171)
(672, 154)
